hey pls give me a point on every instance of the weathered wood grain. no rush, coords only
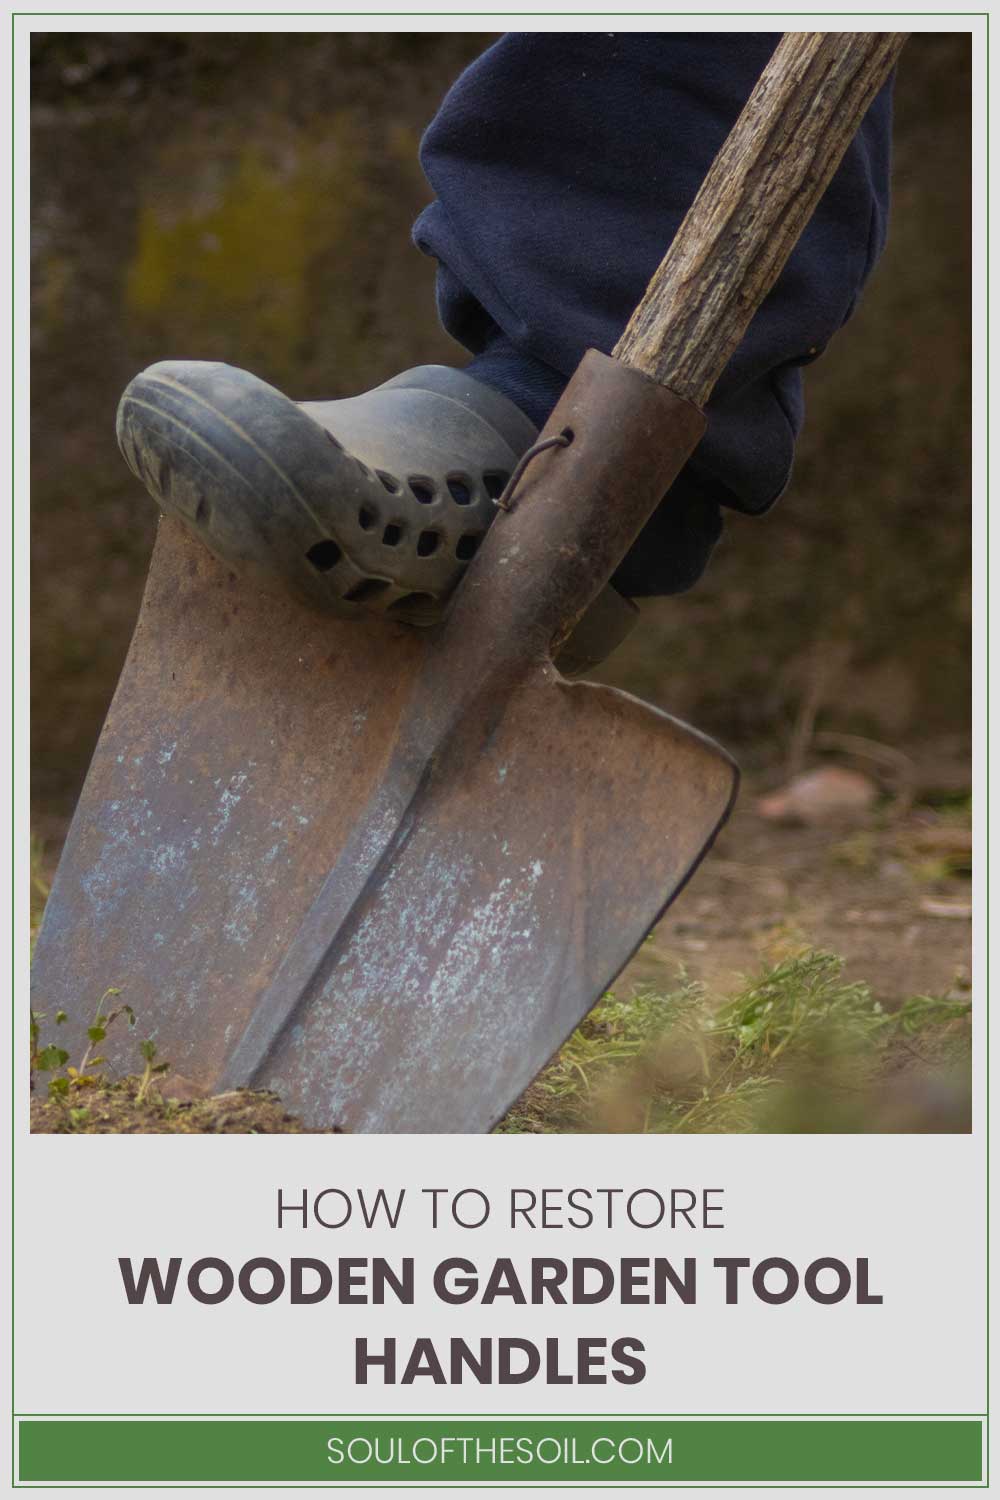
(753, 205)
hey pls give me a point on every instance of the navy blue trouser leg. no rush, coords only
(562, 164)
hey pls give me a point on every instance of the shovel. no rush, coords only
(385, 872)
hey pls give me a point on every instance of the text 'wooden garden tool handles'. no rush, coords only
(757, 198)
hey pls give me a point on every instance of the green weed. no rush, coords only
(797, 1048)
(67, 1080)
(148, 1050)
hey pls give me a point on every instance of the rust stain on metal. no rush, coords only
(383, 871)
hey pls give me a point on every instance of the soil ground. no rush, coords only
(892, 900)
(115, 1110)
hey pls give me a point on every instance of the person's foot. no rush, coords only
(378, 502)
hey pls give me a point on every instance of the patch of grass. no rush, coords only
(798, 1048)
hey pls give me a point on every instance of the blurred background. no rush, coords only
(249, 198)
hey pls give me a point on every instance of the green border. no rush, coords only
(15, 1416)
(67, 1452)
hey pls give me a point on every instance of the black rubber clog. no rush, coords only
(376, 502)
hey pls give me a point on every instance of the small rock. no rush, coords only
(830, 794)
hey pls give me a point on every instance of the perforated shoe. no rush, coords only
(376, 502)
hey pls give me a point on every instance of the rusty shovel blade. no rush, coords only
(383, 872)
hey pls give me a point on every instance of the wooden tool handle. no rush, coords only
(753, 205)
